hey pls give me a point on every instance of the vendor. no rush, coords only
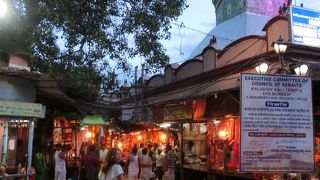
(190, 150)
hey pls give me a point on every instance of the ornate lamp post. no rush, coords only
(280, 47)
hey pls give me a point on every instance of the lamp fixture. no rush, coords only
(139, 138)
(223, 134)
(262, 68)
(163, 137)
(120, 145)
(280, 47)
(216, 122)
(301, 70)
(88, 134)
(165, 125)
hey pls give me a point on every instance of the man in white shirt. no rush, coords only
(146, 165)
(159, 155)
(140, 150)
(60, 171)
(103, 153)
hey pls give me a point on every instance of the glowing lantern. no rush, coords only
(88, 134)
(120, 145)
(139, 138)
(163, 137)
(222, 134)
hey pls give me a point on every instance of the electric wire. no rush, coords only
(204, 86)
(200, 88)
(197, 90)
(181, 25)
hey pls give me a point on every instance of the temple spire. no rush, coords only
(227, 9)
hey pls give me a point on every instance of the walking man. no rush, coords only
(171, 163)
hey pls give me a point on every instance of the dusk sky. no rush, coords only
(200, 16)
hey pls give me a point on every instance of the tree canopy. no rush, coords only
(81, 41)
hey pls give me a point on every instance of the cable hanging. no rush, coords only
(196, 91)
(182, 25)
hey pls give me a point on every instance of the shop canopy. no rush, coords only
(93, 120)
(132, 126)
(118, 125)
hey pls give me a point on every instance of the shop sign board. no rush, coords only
(305, 26)
(276, 124)
(178, 111)
(11, 108)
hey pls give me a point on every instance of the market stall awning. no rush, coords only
(129, 126)
(93, 120)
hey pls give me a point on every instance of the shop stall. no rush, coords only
(194, 146)
(223, 139)
(126, 141)
(210, 141)
(224, 144)
(66, 133)
(194, 143)
(92, 129)
(211, 148)
(209, 138)
(17, 123)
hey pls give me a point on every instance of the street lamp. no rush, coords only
(301, 70)
(3, 8)
(280, 47)
(262, 68)
(165, 125)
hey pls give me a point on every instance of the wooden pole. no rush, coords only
(30, 142)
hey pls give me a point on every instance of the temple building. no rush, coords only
(239, 18)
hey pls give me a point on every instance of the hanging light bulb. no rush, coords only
(163, 137)
(222, 134)
(139, 137)
(88, 134)
(120, 145)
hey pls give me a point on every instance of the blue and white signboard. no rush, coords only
(305, 26)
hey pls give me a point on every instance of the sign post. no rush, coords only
(276, 124)
(305, 26)
(10, 108)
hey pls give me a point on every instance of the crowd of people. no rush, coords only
(146, 162)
